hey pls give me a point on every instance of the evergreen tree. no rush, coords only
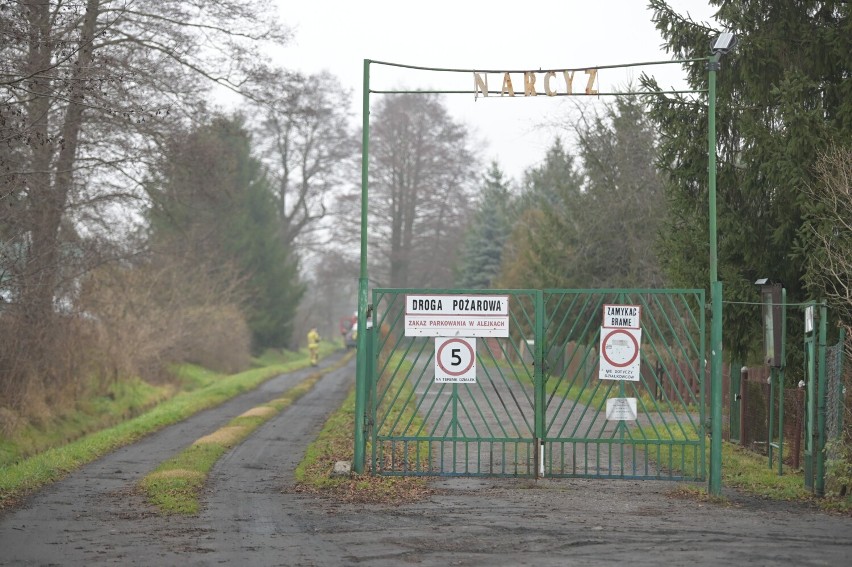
(214, 199)
(490, 227)
(546, 236)
(783, 95)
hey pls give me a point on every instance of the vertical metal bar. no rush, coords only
(455, 421)
(371, 387)
(734, 400)
(810, 405)
(715, 484)
(621, 426)
(819, 481)
(539, 380)
(771, 426)
(781, 381)
(361, 368)
(841, 343)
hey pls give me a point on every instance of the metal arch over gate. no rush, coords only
(722, 45)
(537, 405)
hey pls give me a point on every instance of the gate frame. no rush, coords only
(719, 48)
(540, 431)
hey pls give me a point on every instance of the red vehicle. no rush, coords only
(349, 330)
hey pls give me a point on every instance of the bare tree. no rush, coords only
(309, 147)
(86, 87)
(829, 225)
(331, 294)
(421, 180)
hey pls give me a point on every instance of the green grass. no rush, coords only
(207, 390)
(334, 443)
(750, 472)
(123, 400)
(744, 470)
(174, 486)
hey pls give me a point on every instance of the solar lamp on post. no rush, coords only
(718, 47)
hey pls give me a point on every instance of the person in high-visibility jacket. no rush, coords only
(313, 345)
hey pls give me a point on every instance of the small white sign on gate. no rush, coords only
(621, 409)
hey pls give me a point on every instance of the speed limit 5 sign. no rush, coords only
(455, 360)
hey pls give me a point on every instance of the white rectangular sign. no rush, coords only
(457, 315)
(621, 409)
(622, 316)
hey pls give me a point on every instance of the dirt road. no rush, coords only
(252, 516)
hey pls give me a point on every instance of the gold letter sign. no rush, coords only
(480, 83)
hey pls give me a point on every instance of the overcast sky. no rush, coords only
(337, 35)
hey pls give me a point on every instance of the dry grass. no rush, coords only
(259, 411)
(178, 473)
(225, 436)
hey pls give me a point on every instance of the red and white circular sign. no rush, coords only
(620, 348)
(619, 358)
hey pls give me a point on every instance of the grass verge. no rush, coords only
(17, 479)
(334, 443)
(121, 401)
(750, 473)
(175, 485)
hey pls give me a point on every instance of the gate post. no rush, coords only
(360, 440)
(716, 390)
(819, 479)
(744, 425)
(722, 45)
(715, 480)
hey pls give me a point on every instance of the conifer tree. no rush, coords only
(214, 199)
(546, 235)
(490, 227)
(783, 95)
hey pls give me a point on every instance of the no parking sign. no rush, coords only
(621, 337)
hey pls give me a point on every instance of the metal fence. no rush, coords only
(754, 397)
(537, 405)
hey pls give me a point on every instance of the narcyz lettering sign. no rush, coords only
(557, 82)
(455, 360)
(457, 316)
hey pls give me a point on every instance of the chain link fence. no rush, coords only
(755, 400)
(838, 420)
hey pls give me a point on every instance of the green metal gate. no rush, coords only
(537, 406)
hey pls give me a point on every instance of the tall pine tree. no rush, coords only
(489, 229)
(546, 235)
(214, 199)
(783, 96)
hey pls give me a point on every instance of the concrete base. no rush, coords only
(341, 468)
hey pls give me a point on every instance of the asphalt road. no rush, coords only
(252, 516)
